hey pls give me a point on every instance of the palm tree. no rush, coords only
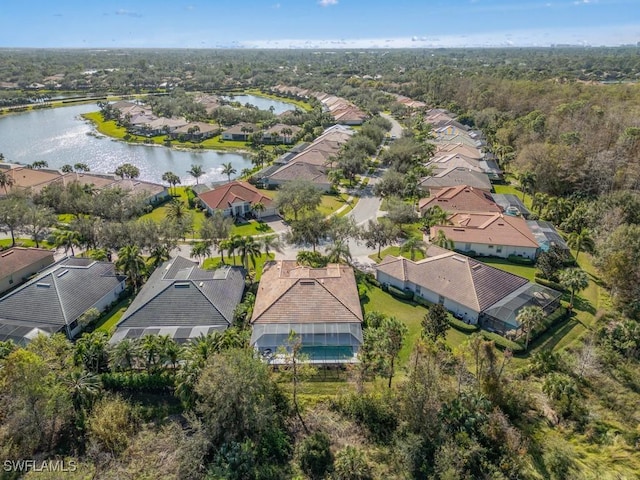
(339, 252)
(581, 241)
(443, 241)
(222, 246)
(6, 181)
(258, 208)
(528, 318)
(539, 202)
(574, 280)
(131, 263)
(271, 242)
(176, 210)
(83, 387)
(172, 179)
(196, 172)
(436, 216)
(249, 249)
(150, 348)
(228, 170)
(527, 182)
(123, 354)
(201, 250)
(158, 255)
(67, 239)
(414, 245)
(99, 254)
(81, 167)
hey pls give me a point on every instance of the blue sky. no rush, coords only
(317, 23)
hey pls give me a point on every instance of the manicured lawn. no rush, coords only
(505, 189)
(253, 227)
(24, 242)
(109, 321)
(410, 313)
(213, 262)
(331, 203)
(395, 251)
(526, 271)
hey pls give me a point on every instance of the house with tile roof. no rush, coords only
(454, 176)
(183, 301)
(489, 234)
(321, 305)
(241, 131)
(457, 160)
(237, 199)
(55, 300)
(461, 198)
(17, 264)
(471, 290)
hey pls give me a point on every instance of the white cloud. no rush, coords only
(326, 3)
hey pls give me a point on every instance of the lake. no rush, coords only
(60, 136)
(262, 103)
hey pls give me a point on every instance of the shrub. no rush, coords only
(502, 343)
(549, 283)
(138, 381)
(315, 455)
(462, 326)
(371, 411)
(402, 294)
(520, 260)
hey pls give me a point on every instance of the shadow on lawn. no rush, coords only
(549, 339)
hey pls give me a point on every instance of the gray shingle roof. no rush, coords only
(60, 294)
(179, 294)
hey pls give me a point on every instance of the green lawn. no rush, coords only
(253, 227)
(408, 312)
(109, 321)
(331, 203)
(213, 262)
(526, 271)
(505, 189)
(395, 251)
(24, 242)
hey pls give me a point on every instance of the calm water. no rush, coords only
(60, 136)
(262, 103)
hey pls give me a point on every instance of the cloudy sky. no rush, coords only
(318, 23)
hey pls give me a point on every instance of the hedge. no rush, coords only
(462, 326)
(502, 343)
(520, 260)
(138, 381)
(549, 283)
(396, 292)
(558, 316)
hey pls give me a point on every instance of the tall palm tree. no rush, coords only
(339, 252)
(176, 210)
(158, 255)
(123, 355)
(201, 250)
(580, 241)
(443, 241)
(269, 243)
(196, 172)
(67, 239)
(131, 263)
(228, 170)
(172, 179)
(436, 216)
(574, 280)
(249, 249)
(258, 208)
(528, 318)
(539, 202)
(414, 245)
(527, 182)
(6, 181)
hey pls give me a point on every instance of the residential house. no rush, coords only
(489, 234)
(455, 160)
(55, 300)
(321, 305)
(241, 132)
(195, 131)
(455, 176)
(458, 148)
(471, 290)
(237, 199)
(17, 264)
(183, 301)
(281, 133)
(299, 171)
(461, 198)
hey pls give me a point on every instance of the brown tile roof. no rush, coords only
(457, 176)
(237, 129)
(223, 196)
(458, 148)
(24, 177)
(456, 277)
(461, 198)
(488, 228)
(204, 127)
(16, 258)
(289, 293)
(300, 171)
